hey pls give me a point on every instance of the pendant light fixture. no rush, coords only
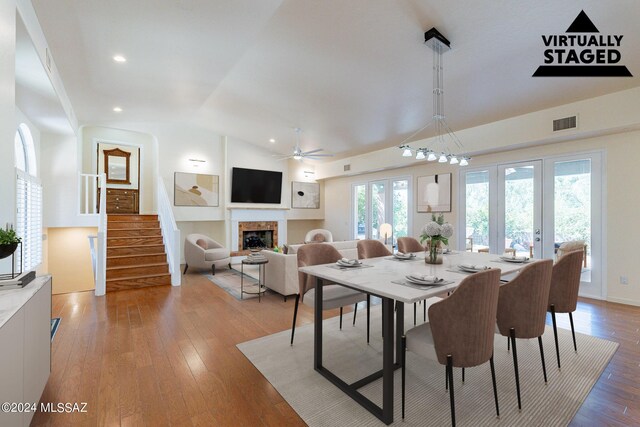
(445, 147)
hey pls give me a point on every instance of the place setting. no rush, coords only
(421, 281)
(468, 268)
(513, 259)
(348, 264)
(401, 256)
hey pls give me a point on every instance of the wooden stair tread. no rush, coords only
(131, 255)
(145, 276)
(137, 246)
(123, 267)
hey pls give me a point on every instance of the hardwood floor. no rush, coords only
(166, 356)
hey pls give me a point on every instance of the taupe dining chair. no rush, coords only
(409, 244)
(563, 296)
(372, 249)
(333, 296)
(460, 331)
(522, 309)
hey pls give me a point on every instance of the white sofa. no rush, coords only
(281, 272)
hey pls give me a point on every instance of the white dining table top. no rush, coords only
(378, 278)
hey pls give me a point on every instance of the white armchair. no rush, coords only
(318, 236)
(201, 251)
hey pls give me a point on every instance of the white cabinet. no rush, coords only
(25, 348)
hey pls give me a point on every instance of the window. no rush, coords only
(377, 202)
(28, 199)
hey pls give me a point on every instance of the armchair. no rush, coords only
(201, 251)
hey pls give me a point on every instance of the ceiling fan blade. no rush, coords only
(306, 153)
(313, 156)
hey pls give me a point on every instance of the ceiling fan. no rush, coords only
(298, 154)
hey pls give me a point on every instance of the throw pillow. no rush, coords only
(319, 238)
(202, 243)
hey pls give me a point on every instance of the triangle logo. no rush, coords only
(582, 24)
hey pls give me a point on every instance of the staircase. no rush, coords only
(135, 253)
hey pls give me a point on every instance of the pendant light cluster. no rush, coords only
(446, 146)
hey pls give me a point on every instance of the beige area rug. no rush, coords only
(230, 280)
(346, 353)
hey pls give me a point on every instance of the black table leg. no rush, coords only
(399, 330)
(317, 326)
(387, 358)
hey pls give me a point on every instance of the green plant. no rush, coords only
(9, 236)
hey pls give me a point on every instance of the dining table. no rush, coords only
(385, 277)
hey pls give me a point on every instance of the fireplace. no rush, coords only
(256, 235)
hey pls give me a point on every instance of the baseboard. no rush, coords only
(624, 301)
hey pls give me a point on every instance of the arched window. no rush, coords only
(28, 199)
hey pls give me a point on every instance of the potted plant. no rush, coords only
(434, 233)
(8, 242)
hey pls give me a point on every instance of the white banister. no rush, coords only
(170, 232)
(88, 193)
(101, 258)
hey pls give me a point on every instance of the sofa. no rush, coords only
(281, 272)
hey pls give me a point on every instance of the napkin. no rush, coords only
(474, 267)
(403, 255)
(350, 261)
(425, 278)
(517, 258)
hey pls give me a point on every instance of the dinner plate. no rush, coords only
(469, 269)
(514, 260)
(407, 256)
(344, 264)
(422, 282)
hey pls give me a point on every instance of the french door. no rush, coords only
(378, 202)
(530, 208)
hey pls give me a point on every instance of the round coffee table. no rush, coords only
(260, 261)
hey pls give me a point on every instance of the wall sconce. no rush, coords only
(196, 162)
(308, 174)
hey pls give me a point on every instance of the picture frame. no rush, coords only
(434, 193)
(196, 189)
(305, 195)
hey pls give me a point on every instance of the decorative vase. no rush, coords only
(7, 249)
(432, 254)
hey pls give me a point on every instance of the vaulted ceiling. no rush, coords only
(353, 74)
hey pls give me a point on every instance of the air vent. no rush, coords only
(565, 123)
(347, 168)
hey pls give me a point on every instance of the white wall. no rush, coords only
(7, 109)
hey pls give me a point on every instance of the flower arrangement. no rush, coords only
(8, 241)
(433, 233)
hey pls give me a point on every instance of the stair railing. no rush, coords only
(101, 253)
(170, 233)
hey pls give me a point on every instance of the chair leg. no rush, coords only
(451, 398)
(446, 378)
(555, 332)
(508, 344)
(185, 268)
(355, 311)
(340, 318)
(544, 367)
(512, 333)
(383, 319)
(213, 269)
(368, 315)
(403, 361)
(462, 374)
(424, 309)
(573, 332)
(295, 314)
(415, 308)
(495, 388)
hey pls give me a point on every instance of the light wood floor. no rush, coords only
(167, 356)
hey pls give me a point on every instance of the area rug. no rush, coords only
(319, 403)
(55, 322)
(229, 280)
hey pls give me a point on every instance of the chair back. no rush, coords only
(565, 282)
(571, 246)
(314, 254)
(372, 249)
(522, 304)
(463, 325)
(318, 236)
(409, 244)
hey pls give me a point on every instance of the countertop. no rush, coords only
(12, 300)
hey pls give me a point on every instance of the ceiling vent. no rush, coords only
(347, 168)
(565, 123)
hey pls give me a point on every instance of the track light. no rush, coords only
(432, 156)
(420, 155)
(443, 158)
(407, 152)
(464, 161)
(454, 160)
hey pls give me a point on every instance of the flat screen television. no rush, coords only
(255, 186)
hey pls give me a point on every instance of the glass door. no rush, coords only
(476, 210)
(400, 207)
(378, 191)
(520, 209)
(360, 211)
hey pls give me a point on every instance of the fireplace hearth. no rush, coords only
(256, 235)
(257, 239)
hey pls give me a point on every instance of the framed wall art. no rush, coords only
(305, 195)
(434, 193)
(196, 189)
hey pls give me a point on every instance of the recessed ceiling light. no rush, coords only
(117, 109)
(272, 140)
(119, 58)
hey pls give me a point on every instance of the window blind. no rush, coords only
(29, 219)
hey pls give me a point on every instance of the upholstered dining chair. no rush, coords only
(318, 236)
(409, 244)
(522, 309)
(369, 248)
(201, 251)
(333, 296)
(563, 296)
(460, 331)
(573, 245)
